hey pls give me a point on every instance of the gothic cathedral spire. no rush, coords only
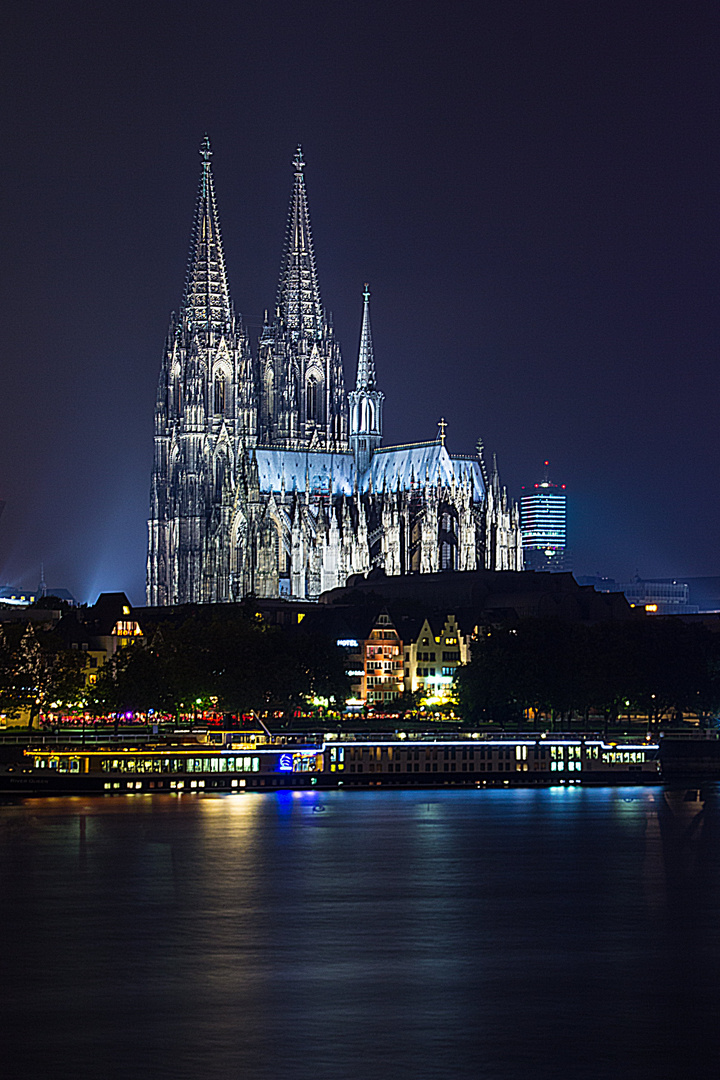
(302, 388)
(206, 409)
(206, 303)
(365, 400)
(298, 293)
(366, 360)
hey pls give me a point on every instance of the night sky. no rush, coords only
(530, 188)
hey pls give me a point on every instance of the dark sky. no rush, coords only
(531, 189)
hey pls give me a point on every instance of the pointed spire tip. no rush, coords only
(206, 301)
(366, 361)
(298, 294)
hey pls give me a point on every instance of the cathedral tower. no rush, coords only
(302, 389)
(205, 410)
(365, 400)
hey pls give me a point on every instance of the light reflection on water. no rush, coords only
(496, 933)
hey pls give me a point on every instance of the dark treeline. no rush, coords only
(655, 668)
(230, 661)
(227, 661)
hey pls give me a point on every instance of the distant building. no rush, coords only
(659, 597)
(401, 632)
(383, 662)
(389, 652)
(99, 631)
(16, 597)
(434, 654)
(543, 526)
(666, 596)
(704, 593)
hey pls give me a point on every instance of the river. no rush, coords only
(363, 934)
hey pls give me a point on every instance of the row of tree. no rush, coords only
(36, 670)
(231, 662)
(655, 668)
(228, 661)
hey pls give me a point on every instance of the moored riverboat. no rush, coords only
(239, 761)
(690, 755)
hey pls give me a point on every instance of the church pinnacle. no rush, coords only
(365, 400)
(366, 361)
(298, 291)
(206, 304)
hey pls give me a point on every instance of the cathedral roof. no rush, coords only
(320, 472)
(402, 467)
(392, 467)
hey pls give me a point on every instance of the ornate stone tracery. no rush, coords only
(268, 479)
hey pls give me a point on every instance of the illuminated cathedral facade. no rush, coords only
(268, 478)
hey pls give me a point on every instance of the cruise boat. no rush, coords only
(240, 761)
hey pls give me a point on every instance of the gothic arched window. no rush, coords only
(448, 539)
(219, 395)
(311, 404)
(270, 392)
(447, 556)
(220, 465)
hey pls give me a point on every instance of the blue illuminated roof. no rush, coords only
(396, 467)
(392, 467)
(321, 472)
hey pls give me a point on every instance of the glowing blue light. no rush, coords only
(285, 763)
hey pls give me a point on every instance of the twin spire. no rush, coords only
(298, 292)
(206, 304)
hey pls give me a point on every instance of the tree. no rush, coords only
(653, 667)
(50, 603)
(135, 679)
(230, 659)
(37, 671)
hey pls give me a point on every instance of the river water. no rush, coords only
(494, 933)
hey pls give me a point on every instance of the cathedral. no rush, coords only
(268, 478)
